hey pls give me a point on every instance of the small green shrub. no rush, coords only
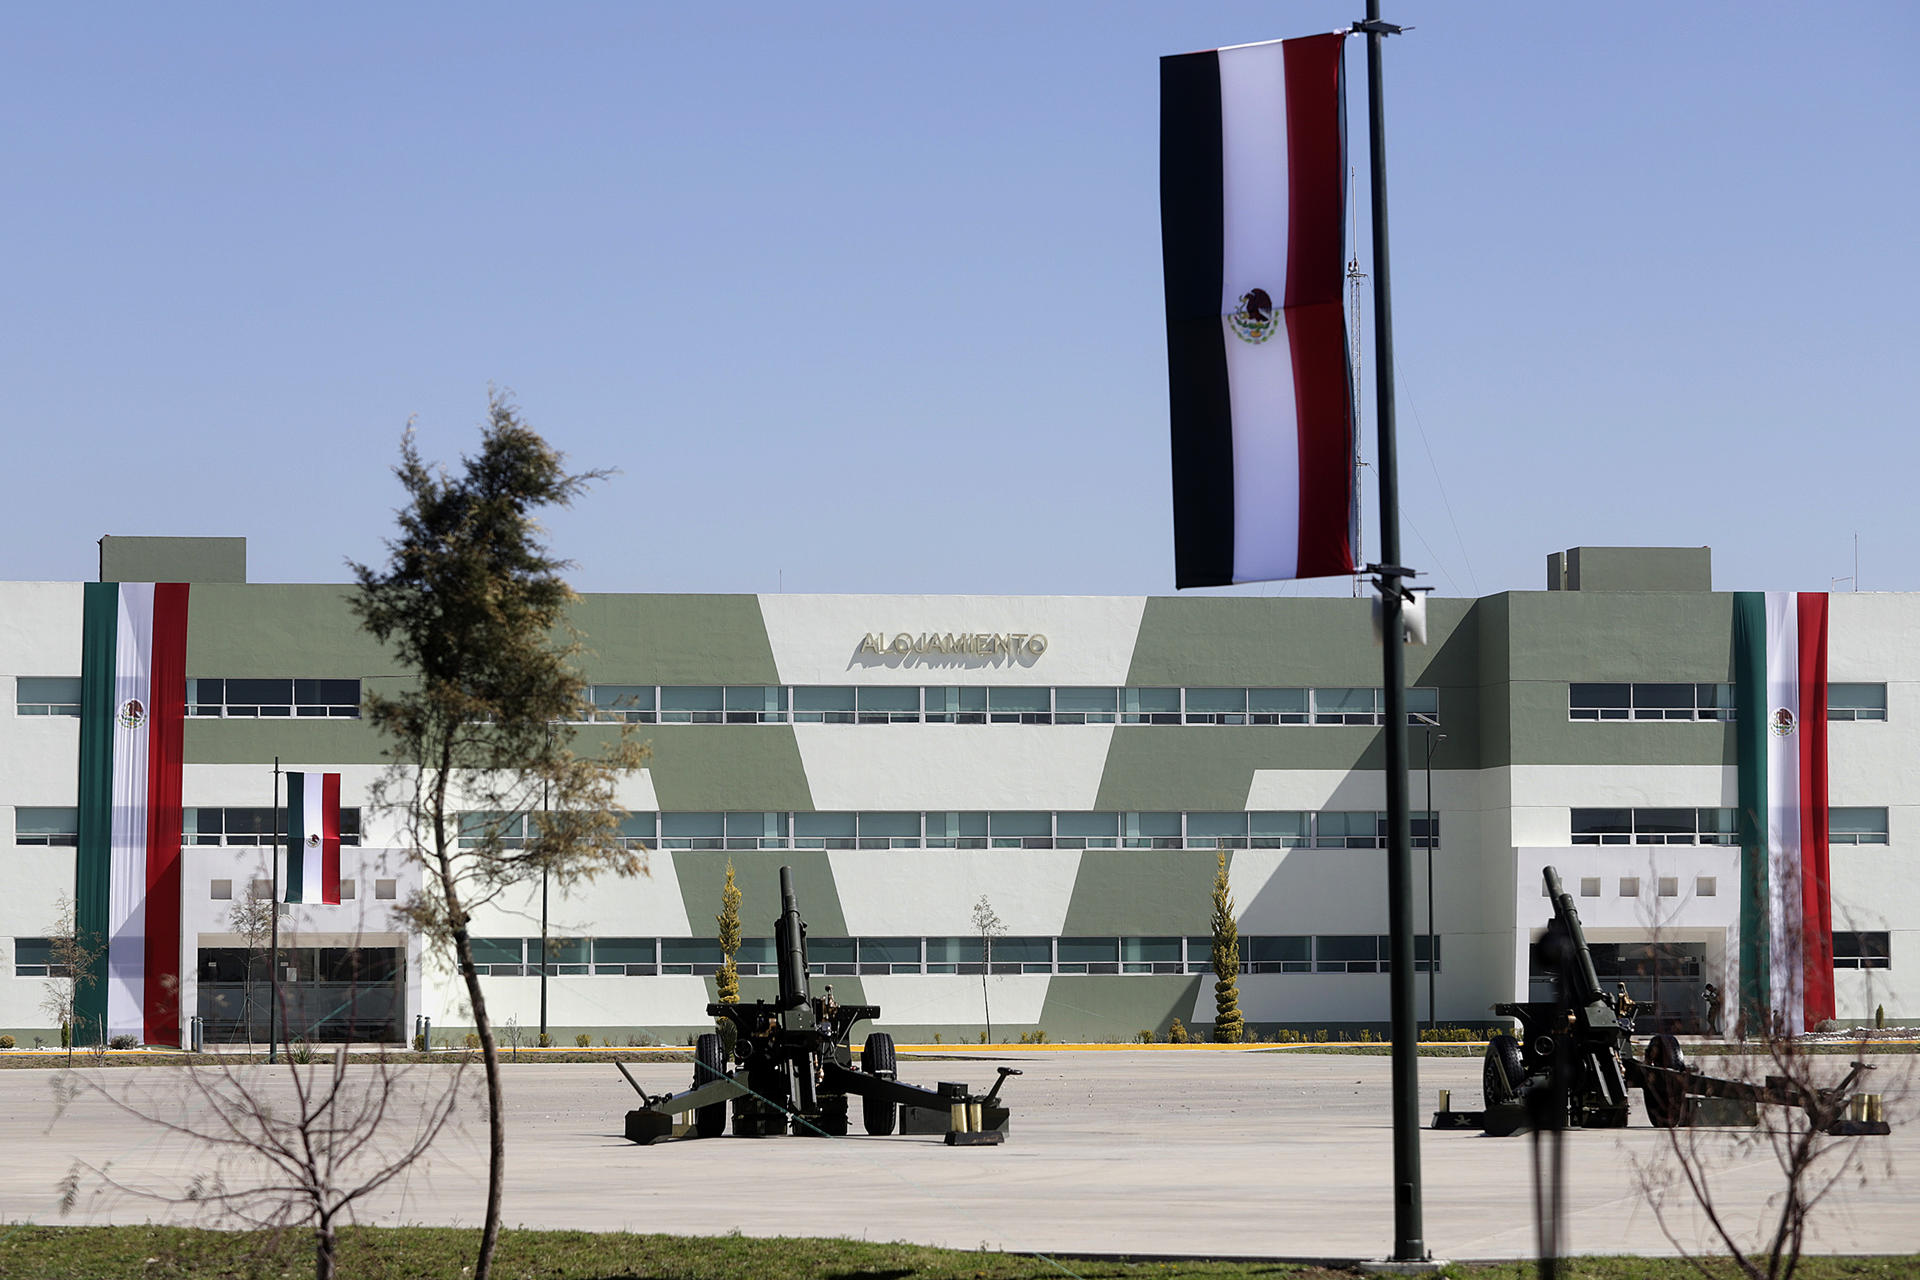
(936, 1038)
(583, 1040)
(1365, 1036)
(1176, 1034)
(1879, 1016)
(1144, 1037)
(66, 1035)
(983, 1037)
(6, 1042)
(420, 1044)
(300, 1051)
(1320, 1036)
(546, 1041)
(473, 1039)
(1035, 1036)
(123, 1042)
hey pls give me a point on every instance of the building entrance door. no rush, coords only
(328, 994)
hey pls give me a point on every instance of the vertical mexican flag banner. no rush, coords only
(133, 702)
(1780, 721)
(313, 838)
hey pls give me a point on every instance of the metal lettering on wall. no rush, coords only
(957, 644)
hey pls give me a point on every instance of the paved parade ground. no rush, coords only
(1218, 1153)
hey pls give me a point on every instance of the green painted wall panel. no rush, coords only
(295, 742)
(139, 559)
(1274, 642)
(1101, 1008)
(1141, 892)
(675, 639)
(701, 872)
(279, 630)
(708, 767)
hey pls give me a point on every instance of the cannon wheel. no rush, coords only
(876, 1059)
(1503, 1073)
(1666, 1097)
(709, 1064)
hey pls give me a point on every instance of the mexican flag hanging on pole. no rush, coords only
(1253, 203)
(133, 702)
(313, 838)
(1780, 720)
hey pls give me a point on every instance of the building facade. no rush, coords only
(1076, 765)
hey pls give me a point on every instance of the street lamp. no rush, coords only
(1433, 939)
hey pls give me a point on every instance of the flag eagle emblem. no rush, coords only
(1254, 321)
(133, 713)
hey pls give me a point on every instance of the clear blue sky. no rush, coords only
(866, 297)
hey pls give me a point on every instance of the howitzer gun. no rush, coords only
(1572, 1064)
(790, 1068)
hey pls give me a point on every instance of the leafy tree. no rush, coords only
(485, 781)
(728, 983)
(986, 923)
(1228, 1026)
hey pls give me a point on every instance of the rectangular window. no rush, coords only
(690, 955)
(615, 703)
(1346, 706)
(1277, 706)
(1861, 950)
(824, 830)
(1087, 955)
(1706, 887)
(889, 955)
(889, 830)
(479, 827)
(637, 830)
(1649, 700)
(953, 955)
(956, 704)
(1282, 829)
(823, 704)
(1216, 831)
(756, 830)
(47, 696)
(692, 704)
(1359, 829)
(221, 891)
(565, 956)
(1087, 830)
(1022, 955)
(1150, 955)
(756, 704)
(33, 958)
(327, 699)
(1150, 831)
(1277, 954)
(1854, 825)
(692, 831)
(46, 826)
(1216, 706)
(949, 830)
(1629, 886)
(1017, 830)
(1652, 826)
(1856, 702)
(386, 890)
(833, 956)
(1085, 706)
(1356, 953)
(1423, 707)
(1019, 705)
(1149, 706)
(631, 956)
(259, 698)
(885, 704)
(499, 957)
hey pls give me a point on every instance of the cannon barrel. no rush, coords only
(790, 945)
(1582, 969)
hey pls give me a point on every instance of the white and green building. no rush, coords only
(1079, 762)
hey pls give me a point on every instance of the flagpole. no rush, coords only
(1409, 1244)
(273, 904)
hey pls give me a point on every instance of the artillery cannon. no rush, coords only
(792, 1069)
(1582, 1043)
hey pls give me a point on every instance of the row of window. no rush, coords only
(978, 704)
(1657, 701)
(231, 826)
(830, 957)
(1851, 824)
(313, 699)
(1036, 829)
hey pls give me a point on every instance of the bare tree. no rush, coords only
(71, 968)
(301, 1162)
(252, 918)
(487, 788)
(986, 923)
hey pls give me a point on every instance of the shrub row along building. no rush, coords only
(1077, 763)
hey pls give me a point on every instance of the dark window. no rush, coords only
(1347, 953)
(1861, 950)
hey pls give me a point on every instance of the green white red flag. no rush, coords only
(313, 838)
(1780, 710)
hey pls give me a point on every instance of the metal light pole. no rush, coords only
(273, 903)
(543, 909)
(1433, 838)
(1409, 1243)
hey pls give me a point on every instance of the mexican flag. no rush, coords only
(1253, 204)
(1780, 710)
(313, 838)
(133, 702)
